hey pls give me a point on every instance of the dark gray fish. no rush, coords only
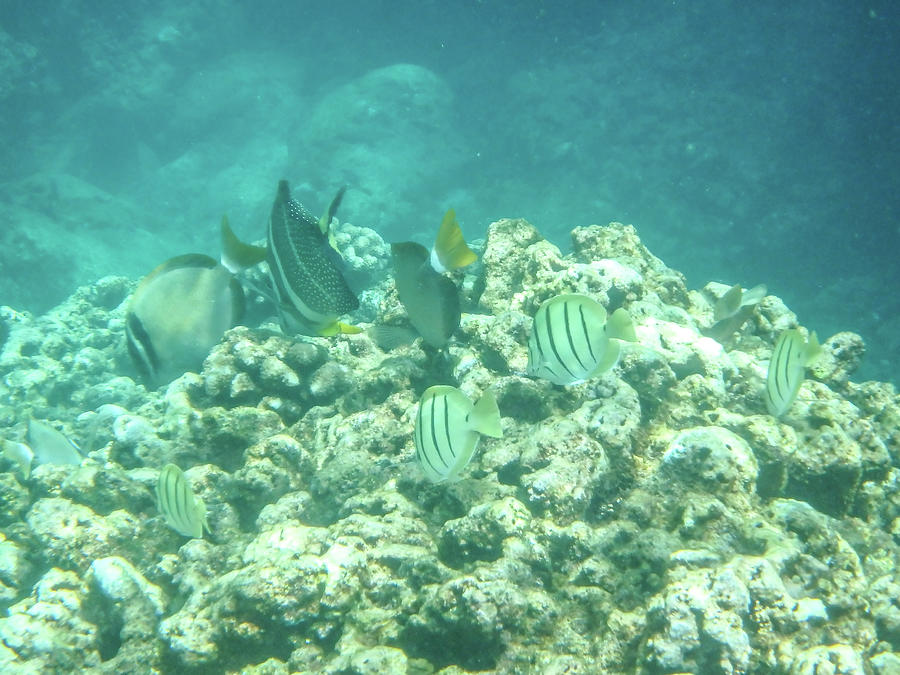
(305, 269)
(431, 299)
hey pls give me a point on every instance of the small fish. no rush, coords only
(184, 513)
(51, 446)
(448, 427)
(735, 298)
(787, 368)
(20, 455)
(431, 299)
(178, 313)
(310, 287)
(571, 340)
(732, 310)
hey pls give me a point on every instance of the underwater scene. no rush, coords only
(441, 338)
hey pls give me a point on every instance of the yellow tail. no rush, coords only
(450, 247)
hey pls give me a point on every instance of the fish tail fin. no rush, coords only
(389, 338)
(236, 255)
(485, 416)
(325, 220)
(450, 250)
(620, 326)
(200, 506)
(610, 357)
(813, 348)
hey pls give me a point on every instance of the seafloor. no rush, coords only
(652, 520)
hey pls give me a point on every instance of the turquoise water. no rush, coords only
(656, 517)
(751, 143)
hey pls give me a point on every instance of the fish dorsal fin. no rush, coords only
(178, 262)
(328, 216)
(236, 255)
(450, 250)
(485, 416)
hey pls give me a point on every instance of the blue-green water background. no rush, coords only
(751, 142)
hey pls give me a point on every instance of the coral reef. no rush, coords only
(654, 520)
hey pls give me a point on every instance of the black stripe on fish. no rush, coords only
(587, 334)
(180, 500)
(434, 439)
(570, 338)
(447, 428)
(782, 363)
(140, 347)
(423, 454)
(559, 359)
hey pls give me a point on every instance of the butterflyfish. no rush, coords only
(787, 368)
(431, 299)
(51, 446)
(178, 313)
(448, 427)
(184, 512)
(310, 288)
(572, 341)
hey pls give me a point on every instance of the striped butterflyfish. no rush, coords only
(787, 367)
(572, 341)
(448, 427)
(178, 313)
(184, 513)
(306, 271)
(431, 299)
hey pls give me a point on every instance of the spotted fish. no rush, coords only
(309, 285)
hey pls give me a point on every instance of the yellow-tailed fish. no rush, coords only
(572, 341)
(787, 368)
(431, 300)
(184, 512)
(51, 446)
(236, 255)
(448, 427)
(178, 313)
(310, 287)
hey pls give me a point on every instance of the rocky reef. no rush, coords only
(653, 520)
